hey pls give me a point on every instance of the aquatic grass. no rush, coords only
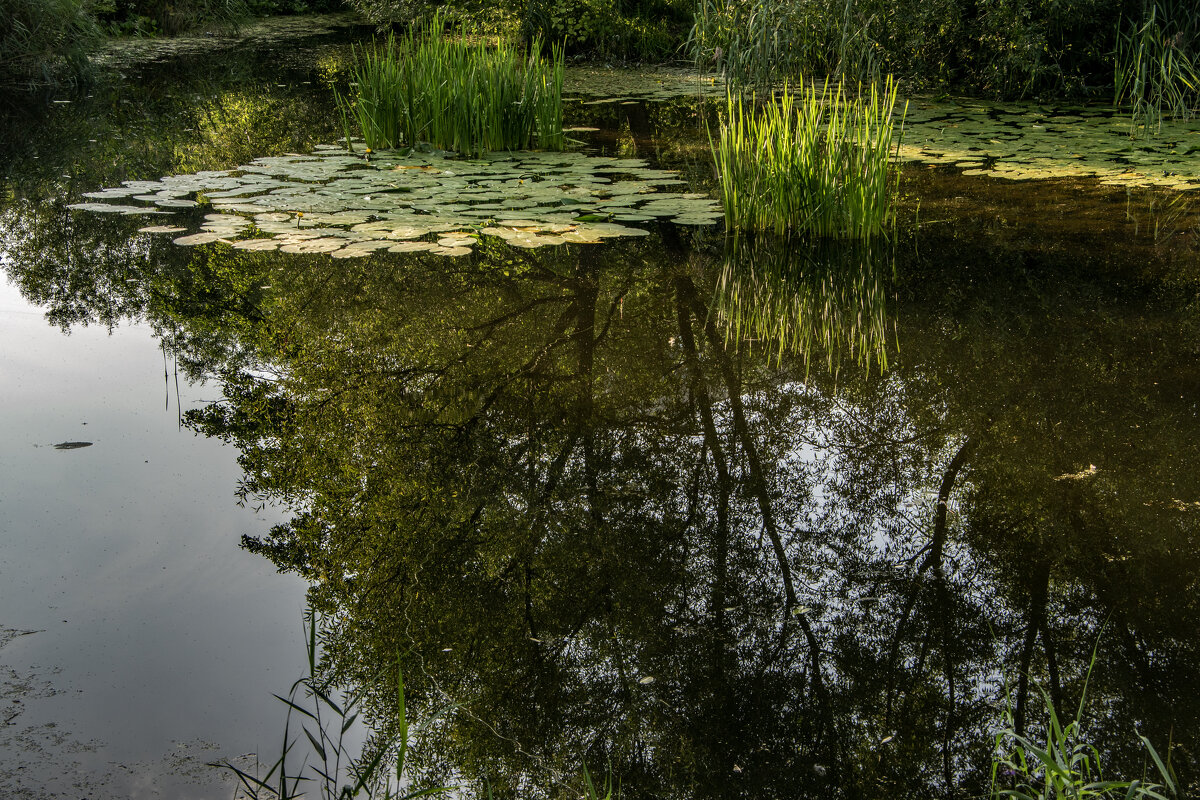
(1066, 764)
(454, 94)
(1156, 71)
(814, 160)
(823, 300)
(326, 724)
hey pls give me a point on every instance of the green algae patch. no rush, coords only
(344, 205)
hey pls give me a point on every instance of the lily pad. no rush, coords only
(327, 201)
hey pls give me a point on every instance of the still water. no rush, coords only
(712, 518)
(137, 644)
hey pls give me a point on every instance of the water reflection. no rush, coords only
(823, 300)
(658, 507)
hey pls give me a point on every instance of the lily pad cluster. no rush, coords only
(1023, 142)
(351, 205)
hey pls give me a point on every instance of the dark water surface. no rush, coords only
(719, 519)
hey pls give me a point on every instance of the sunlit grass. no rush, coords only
(1064, 764)
(815, 159)
(455, 94)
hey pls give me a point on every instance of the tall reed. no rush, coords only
(815, 160)
(455, 94)
(761, 42)
(1066, 764)
(329, 769)
(44, 42)
(1157, 71)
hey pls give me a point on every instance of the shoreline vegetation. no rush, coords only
(1144, 55)
(818, 160)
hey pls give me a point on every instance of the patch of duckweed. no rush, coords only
(340, 204)
(1029, 143)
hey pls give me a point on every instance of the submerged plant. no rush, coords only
(455, 94)
(815, 160)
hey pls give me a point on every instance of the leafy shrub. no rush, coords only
(627, 30)
(609, 28)
(169, 17)
(1009, 48)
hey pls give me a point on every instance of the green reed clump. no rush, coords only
(815, 160)
(817, 301)
(1157, 69)
(455, 94)
(1067, 765)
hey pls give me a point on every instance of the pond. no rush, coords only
(708, 517)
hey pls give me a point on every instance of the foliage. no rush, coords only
(169, 17)
(762, 41)
(1157, 70)
(327, 724)
(611, 29)
(44, 41)
(816, 160)
(626, 30)
(1066, 765)
(455, 94)
(1009, 48)
(822, 302)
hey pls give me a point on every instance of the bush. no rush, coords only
(611, 29)
(170, 17)
(626, 30)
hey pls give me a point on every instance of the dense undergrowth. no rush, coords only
(1005, 47)
(1143, 53)
(44, 41)
(47, 42)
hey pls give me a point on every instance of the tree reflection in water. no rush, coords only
(607, 524)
